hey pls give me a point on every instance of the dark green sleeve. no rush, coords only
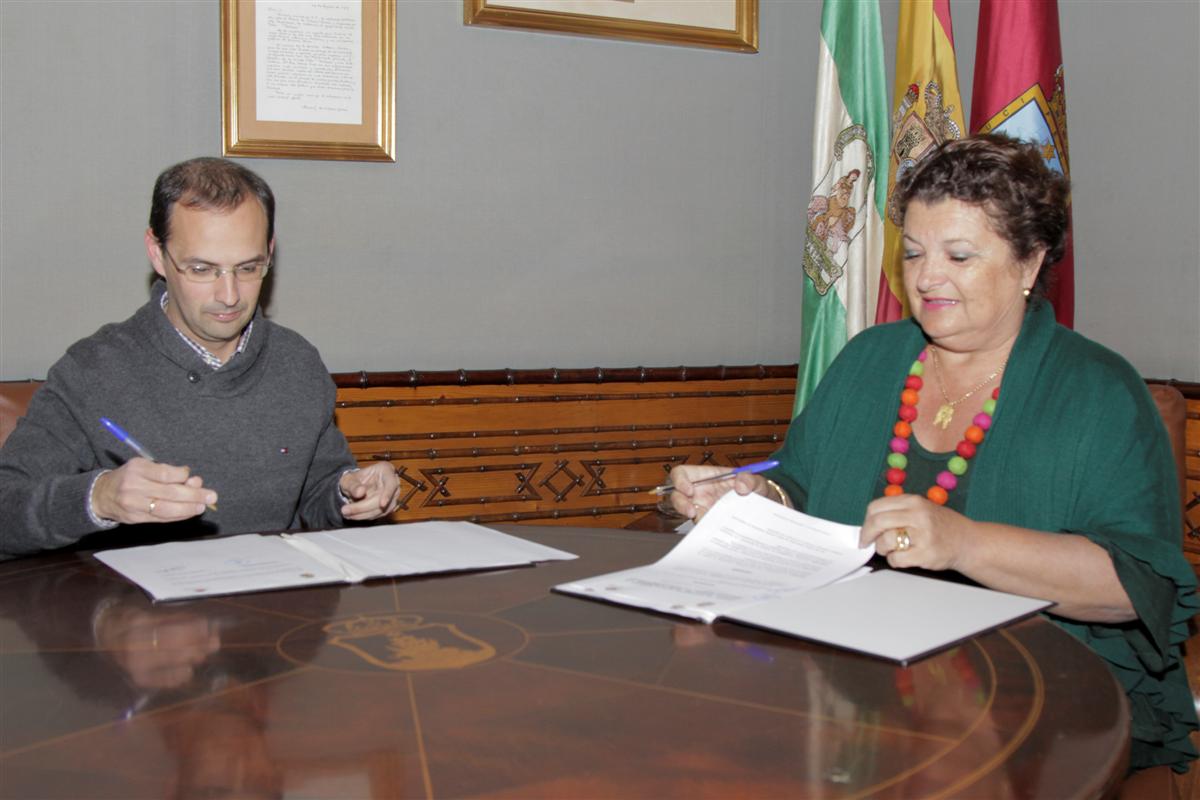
(1130, 507)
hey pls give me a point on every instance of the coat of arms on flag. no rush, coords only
(1031, 117)
(837, 213)
(842, 237)
(928, 112)
(915, 135)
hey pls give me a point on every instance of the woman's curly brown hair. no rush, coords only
(1025, 200)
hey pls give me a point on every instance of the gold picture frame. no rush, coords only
(357, 124)
(681, 22)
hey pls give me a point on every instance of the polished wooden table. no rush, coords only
(488, 685)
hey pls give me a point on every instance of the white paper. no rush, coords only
(745, 550)
(753, 561)
(308, 61)
(415, 548)
(218, 566)
(252, 563)
(889, 613)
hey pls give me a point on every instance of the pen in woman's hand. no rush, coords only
(761, 466)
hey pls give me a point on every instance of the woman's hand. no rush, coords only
(1070, 569)
(912, 531)
(693, 501)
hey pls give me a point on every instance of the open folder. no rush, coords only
(255, 563)
(759, 563)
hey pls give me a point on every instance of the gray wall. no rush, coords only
(556, 201)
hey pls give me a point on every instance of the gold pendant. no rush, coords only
(944, 415)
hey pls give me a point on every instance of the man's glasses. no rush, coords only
(208, 273)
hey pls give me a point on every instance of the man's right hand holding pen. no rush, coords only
(147, 491)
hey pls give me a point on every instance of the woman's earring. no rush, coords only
(1025, 292)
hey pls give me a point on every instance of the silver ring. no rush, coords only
(903, 540)
(152, 504)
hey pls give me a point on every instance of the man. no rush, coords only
(236, 411)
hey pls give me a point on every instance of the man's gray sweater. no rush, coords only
(259, 430)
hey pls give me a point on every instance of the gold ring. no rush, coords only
(903, 540)
(152, 504)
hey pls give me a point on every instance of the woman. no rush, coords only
(989, 440)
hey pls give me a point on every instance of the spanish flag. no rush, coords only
(843, 236)
(1018, 91)
(928, 111)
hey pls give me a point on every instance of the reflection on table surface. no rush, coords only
(488, 684)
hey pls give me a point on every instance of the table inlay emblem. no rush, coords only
(406, 642)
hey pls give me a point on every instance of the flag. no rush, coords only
(843, 238)
(1018, 91)
(928, 112)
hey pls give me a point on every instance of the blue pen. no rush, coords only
(119, 432)
(761, 466)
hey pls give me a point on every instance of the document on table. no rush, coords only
(758, 563)
(745, 551)
(254, 562)
(891, 614)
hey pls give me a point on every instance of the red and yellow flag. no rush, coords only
(1018, 91)
(928, 112)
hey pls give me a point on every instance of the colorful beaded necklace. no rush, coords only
(956, 467)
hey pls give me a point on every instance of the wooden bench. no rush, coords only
(580, 446)
(1179, 405)
(583, 445)
(545, 446)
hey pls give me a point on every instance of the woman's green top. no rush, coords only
(922, 471)
(1076, 446)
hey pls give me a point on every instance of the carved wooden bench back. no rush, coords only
(577, 446)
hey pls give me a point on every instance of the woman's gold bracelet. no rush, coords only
(783, 498)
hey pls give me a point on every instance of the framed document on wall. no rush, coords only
(727, 24)
(306, 79)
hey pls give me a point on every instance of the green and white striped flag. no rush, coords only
(844, 241)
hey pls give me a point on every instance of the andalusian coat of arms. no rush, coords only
(837, 211)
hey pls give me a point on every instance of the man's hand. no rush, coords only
(157, 649)
(146, 491)
(374, 492)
